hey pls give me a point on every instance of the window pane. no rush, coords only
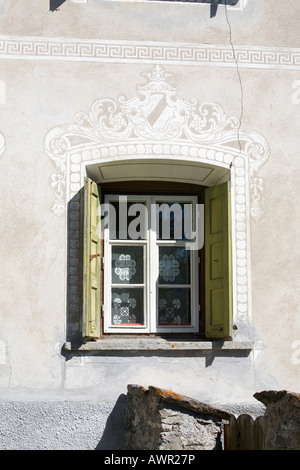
(127, 264)
(127, 306)
(174, 306)
(174, 265)
(130, 220)
(174, 220)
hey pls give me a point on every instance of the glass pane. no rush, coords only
(174, 265)
(127, 264)
(174, 306)
(127, 306)
(129, 220)
(174, 220)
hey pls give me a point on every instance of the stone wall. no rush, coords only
(162, 420)
(282, 419)
(158, 419)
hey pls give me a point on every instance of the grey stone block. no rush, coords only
(158, 419)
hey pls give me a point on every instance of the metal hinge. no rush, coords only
(97, 256)
(94, 256)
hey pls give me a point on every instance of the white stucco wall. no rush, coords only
(44, 86)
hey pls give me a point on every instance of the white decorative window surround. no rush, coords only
(158, 126)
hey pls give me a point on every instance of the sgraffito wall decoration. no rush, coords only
(2, 144)
(32, 48)
(158, 123)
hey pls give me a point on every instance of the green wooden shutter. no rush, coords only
(218, 263)
(91, 261)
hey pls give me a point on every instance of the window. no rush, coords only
(150, 275)
(142, 275)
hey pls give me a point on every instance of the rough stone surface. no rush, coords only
(281, 420)
(162, 420)
(62, 425)
(187, 430)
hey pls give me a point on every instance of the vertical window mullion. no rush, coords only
(153, 266)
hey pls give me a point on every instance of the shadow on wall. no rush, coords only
(74, 267)
(55, 4)
(113, 437)
(213, 4)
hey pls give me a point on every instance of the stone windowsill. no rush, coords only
(157, 344)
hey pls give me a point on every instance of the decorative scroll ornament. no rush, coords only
(2, 144)
(58, 184)
(156, 115)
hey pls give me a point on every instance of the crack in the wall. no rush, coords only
(238, 75)
(261, 149)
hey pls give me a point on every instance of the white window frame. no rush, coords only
(151, 271)
(240, 6)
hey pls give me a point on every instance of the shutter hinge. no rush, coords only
(102, 311)
(94, 256)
